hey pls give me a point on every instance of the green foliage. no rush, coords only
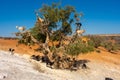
(109, 46)
(79, 47)
(37, 34)
(56, 36)
(96, 40)
(59, 18)
(104, 42)
(25, 39)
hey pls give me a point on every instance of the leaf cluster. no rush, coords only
(79, 47)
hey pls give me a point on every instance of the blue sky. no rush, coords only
(100, 16)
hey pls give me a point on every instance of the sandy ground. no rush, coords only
(20, 67)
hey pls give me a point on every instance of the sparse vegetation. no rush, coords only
(79, 47)
(96, 40)
(109, 43)
(109, 46)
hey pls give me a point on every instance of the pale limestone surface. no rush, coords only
(18, 67)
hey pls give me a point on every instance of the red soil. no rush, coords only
(103, 56)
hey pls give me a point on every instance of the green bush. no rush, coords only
(78, 47)
(27, 40)
(96, 40)
(109, 46)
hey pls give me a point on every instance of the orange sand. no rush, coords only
(104, 56)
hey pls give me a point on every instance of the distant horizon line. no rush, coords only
(115, 34)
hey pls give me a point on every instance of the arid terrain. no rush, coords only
(13, 67)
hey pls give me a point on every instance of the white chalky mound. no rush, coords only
(16, 67)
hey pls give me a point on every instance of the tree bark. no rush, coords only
(46, 46)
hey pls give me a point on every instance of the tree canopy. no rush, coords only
(54, 22)
(59, 21)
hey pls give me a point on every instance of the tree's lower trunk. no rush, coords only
(44, 45)
(34, 40)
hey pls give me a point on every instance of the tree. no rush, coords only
(79, 47)
(58, 19)
(53, 22)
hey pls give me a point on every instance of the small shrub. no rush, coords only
(96, 40)
(109, 46)
(98, 51)
(78, 47)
